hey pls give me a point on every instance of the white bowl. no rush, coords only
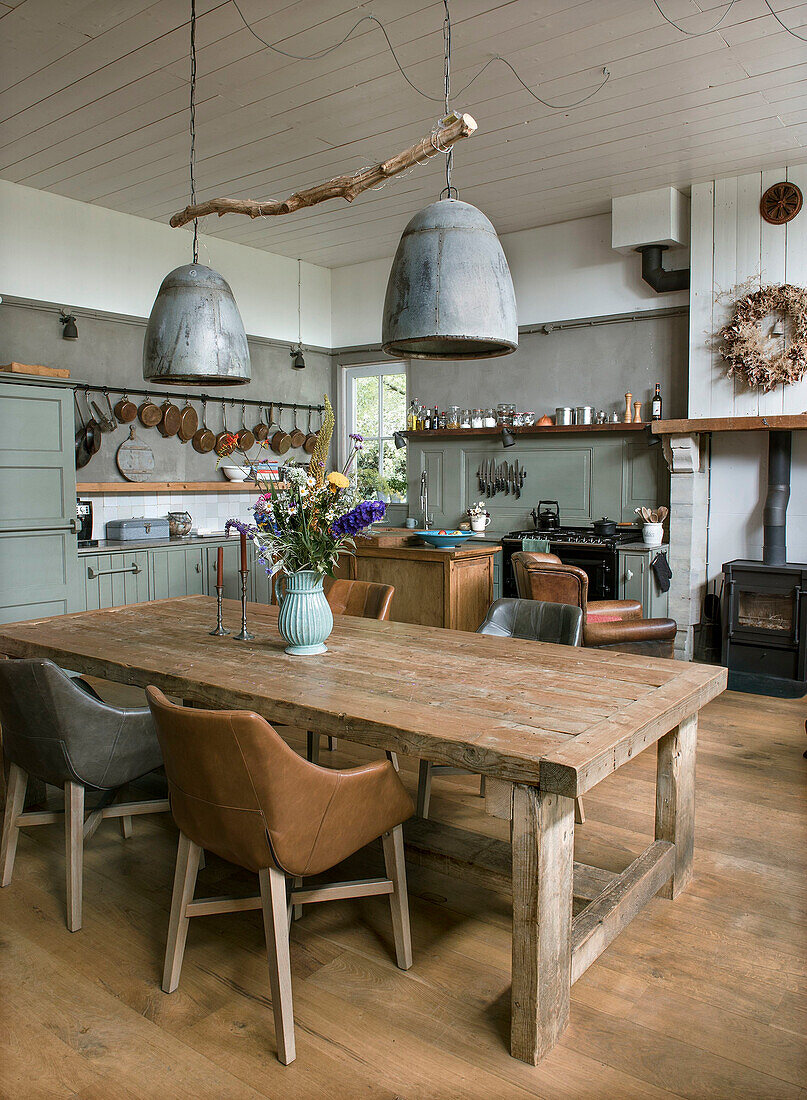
(234, 473)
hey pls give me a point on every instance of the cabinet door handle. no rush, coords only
(198, 567)
(629, 575)
(134, 569)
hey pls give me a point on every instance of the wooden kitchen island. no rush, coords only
(448, 588)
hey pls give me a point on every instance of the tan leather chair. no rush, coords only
(361, 600)
(607, 624)
(237, 789)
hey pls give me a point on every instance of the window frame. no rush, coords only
(349, 374)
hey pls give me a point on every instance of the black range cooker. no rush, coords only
(581, 546)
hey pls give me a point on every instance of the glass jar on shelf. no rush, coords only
(489, 418)
(477, 419)
(465, 418)
(453, 416)
(505, 413)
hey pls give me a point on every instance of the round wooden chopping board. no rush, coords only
(135, 459)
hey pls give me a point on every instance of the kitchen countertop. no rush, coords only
(109, 546)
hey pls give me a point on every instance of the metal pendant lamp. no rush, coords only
(195, 335)
(450, 292)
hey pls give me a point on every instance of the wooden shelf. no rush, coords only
(166, 487)
(549, 429)
(792, 422)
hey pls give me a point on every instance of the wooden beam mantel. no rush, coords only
(450, 130)
(791, 422)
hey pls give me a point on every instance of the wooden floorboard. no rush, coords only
(704, 997)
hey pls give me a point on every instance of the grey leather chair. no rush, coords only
(56, 729)
(531, 620)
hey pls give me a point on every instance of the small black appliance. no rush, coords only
(84, 517)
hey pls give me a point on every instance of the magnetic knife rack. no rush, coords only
(173, 394)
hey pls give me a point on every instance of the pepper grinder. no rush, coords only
(637, 412)
(628, 417)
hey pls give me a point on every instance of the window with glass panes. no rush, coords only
(376, 409)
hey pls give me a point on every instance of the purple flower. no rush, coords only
(244, 528)
(356, 437)
(365, 513)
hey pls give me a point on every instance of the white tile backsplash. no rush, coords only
(210, 511)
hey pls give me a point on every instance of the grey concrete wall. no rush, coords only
(592, 365)
(109, 351)
(582, 366)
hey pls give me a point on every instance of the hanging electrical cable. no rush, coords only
(694, 34)
(434, 98)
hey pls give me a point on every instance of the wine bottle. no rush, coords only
(655, 405)
(435, 419)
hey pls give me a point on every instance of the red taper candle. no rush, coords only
(220, 568)
(243, 552)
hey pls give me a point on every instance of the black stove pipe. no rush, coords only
(655, 275)
(774, 516)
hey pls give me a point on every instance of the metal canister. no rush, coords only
(584, 414)
(564, 415)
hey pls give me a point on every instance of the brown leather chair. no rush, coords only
(237, 789)
(607, 624)
(362, 600)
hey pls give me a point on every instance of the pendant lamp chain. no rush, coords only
(193, 131)
(448, 189)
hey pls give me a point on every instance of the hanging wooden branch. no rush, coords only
(451, 130)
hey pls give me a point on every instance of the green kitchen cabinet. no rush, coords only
(232, 560)
(177, 572)
(115, 579)
(637, 581)
(497, 576)
(38, 562)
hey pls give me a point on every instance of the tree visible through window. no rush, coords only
(376, 398)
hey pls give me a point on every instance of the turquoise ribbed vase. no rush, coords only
(305, 619)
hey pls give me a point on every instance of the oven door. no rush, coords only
(598, 562)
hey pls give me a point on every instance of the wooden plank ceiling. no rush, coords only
(94, 93)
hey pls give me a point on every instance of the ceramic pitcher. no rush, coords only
(305, 619)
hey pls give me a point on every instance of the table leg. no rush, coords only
(675, 799)
(543, 861)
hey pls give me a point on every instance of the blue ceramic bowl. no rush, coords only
(444, 542)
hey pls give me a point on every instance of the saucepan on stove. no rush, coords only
(605, 527)
(546, 516)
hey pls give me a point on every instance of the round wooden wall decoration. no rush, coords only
(780, 203)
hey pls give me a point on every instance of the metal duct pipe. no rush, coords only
(774, 517)
(654, 274)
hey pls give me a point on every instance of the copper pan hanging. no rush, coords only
(310, 441)
(297, 437)
(203, 440)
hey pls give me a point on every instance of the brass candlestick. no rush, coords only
(245, 635)
(219, 629)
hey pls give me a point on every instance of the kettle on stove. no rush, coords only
(548, 518)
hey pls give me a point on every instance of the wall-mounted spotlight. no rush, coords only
(298, 360)
(508, 439)
(399, 439)
(69, 321)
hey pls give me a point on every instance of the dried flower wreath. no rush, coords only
(761, 359)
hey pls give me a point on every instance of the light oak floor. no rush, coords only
(703, 997)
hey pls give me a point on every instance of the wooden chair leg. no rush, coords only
(184, 885)
(15, 800)
(125, 827)
(393, 759)
(482, 784)
(398, 899)
(579, 812)
(333, 744)
(424, 788)
(275, 923)
(74, 851)
(312, 747)
(202, 860)
(297, 910)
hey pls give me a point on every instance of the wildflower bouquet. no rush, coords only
(306, 519)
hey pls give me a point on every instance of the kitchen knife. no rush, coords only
(488, 485)
(479, 478)
(506, 472)
(516, 480)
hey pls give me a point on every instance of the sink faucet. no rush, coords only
(424, 500)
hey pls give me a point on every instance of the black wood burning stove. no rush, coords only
(764, 602)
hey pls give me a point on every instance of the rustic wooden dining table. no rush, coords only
(543, 723)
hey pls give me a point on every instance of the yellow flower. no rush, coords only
(338, 480)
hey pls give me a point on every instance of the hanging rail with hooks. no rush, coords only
(173, 395)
